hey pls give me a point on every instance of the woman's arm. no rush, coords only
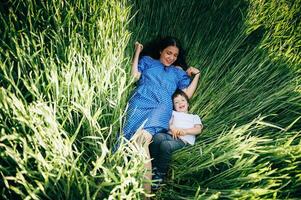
(194, 83)
(135, 73)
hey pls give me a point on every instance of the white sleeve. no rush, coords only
(196, 119)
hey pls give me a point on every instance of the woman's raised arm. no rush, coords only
(135, 73)
(194, 83)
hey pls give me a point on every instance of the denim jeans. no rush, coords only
(161, 149)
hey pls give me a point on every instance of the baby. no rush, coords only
(183, 127)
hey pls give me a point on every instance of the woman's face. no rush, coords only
(169, 55)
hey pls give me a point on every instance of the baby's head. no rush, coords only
(180, 101)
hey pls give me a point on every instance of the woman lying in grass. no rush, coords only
(183, 128)
(160, 72)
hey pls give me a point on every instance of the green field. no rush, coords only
(65, 82)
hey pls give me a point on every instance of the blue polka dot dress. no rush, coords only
(150, 107)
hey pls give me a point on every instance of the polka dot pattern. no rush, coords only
(150, 106)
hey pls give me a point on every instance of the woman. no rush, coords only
(160, 73)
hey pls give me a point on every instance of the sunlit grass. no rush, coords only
(65, 82)
(63, 92)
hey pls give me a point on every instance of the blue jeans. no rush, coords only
(161, 149)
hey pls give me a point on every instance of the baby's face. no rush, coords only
(180, 104)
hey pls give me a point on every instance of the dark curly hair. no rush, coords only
(154, 47)
(179, 92)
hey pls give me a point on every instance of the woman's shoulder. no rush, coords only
(147, 59)
(178, 69)
(149, 62)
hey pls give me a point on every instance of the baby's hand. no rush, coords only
(138, 47)
(177, 132)
(173, 133)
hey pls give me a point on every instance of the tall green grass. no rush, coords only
(63, 87)
(281, 22)
(64, 78)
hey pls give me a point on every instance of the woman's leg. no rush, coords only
(143, 139)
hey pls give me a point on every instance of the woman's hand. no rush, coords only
(135, 72)
(192, 71)
(138, 47)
